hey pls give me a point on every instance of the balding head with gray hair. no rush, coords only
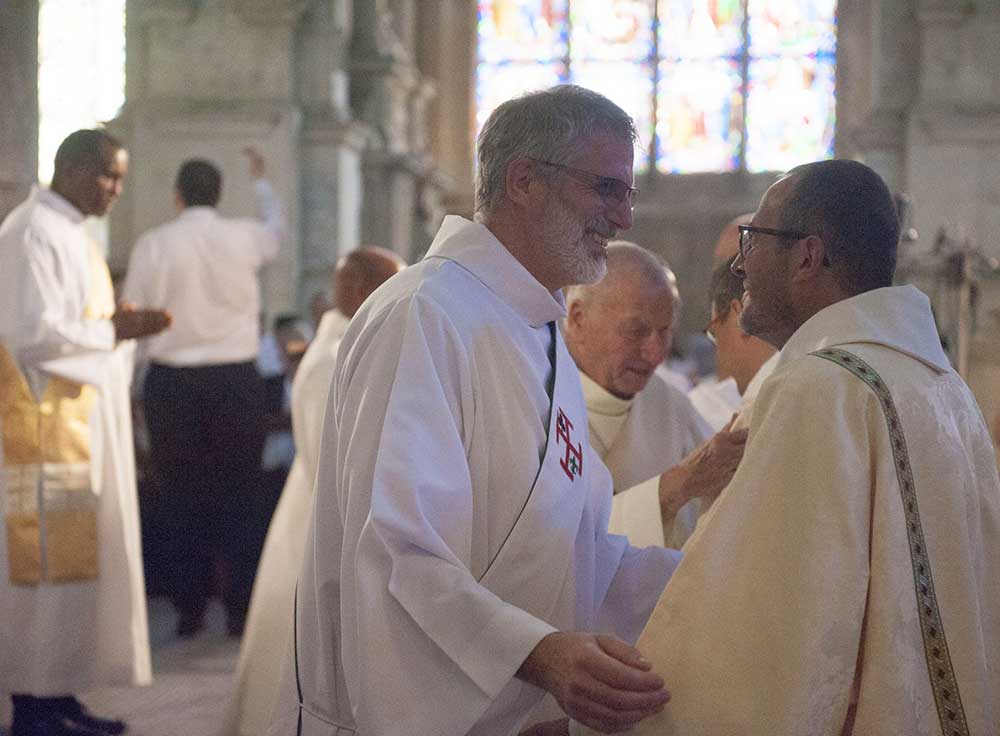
(620, 329)
(547, 125)
(629, 262)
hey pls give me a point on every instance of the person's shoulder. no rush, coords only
(664, 393)
(31, 224)
(811, 384)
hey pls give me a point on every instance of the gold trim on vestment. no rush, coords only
(944, 684)
(49, 505)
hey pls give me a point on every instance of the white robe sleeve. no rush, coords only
(625, 592)
(759, 629)
(272, 212)
(444, 640)
(45, 333)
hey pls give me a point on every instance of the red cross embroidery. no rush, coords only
(572, 463)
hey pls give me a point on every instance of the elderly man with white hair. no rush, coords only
(661, 454)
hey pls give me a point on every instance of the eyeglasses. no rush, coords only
(709, 329)
(610, 189)
(747, 232)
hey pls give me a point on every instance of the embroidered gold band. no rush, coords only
(942, 675)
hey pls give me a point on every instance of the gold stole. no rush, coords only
(51, 509)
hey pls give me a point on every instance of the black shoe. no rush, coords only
(189, 624)
(76, 712)
(58, 717)
(53, 726)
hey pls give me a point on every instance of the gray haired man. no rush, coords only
(459, 550)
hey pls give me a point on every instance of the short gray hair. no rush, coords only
(546, 125)
(626, 256)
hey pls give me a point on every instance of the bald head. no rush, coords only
(728, 243)
(630, 267)
(620, 329)
(359, 273)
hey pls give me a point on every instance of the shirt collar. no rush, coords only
(472, 246)
(197, 211)
(897, 317)
(58, 203)
(601, 401)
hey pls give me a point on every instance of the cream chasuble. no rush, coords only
(795, 609)
(638, 439)
(72, 599)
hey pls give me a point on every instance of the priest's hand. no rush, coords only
(131, 323)
(704, 472)
(598, 680)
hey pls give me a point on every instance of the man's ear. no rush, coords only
(575, 314)
(521, 181)
(810, 258)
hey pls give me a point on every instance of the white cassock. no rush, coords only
(797, 594)
(638, 439)
(474, 512)
(269, 621)
(717, 401)
(72, 596)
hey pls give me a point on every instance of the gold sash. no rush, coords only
(51, 509)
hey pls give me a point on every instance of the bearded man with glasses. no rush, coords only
(459, 552)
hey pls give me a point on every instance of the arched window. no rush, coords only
(714, 85)
(81, 70)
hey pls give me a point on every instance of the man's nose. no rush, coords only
(737, 266)
(654, 349)
(620, 215)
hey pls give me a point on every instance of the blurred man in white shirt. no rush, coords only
(203, 397)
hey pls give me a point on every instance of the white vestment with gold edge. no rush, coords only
(72, 597)
(794, 611)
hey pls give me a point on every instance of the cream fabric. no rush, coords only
(797, 586)
(638, 439)
(441, 414)
(269, 621)
(60, 638)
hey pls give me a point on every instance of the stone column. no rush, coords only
(389, 95)
(331, 145)
(19, 92)
(205, 79)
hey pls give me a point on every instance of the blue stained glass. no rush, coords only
(700, 29)
(699, 113)
(630, 86)
(522, 30)
(779, 27)
(699, 96)
(790, 113)
(497, 83)
(611, 30)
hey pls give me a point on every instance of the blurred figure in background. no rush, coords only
(269, 623)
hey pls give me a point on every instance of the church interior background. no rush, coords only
(366, 111)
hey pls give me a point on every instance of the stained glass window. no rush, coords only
(81, 70)
(714, 85)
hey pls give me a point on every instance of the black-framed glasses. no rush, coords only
(747, 233)
(609, 188)
(709, 329)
